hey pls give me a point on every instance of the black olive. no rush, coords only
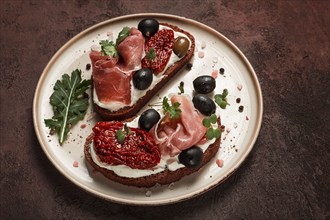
(148, 119)
(148, 27)
(204, 84)
(204, 104)
(142, 79)
(191, 157)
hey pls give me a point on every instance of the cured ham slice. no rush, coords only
(131, 50)
(111, 84)
(112, 76)
(176, 136)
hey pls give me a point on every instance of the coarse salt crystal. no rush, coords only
(148, 193)
(75, 164)
(215, 59)
(83, 126)
(228, 129)
(219, 163)
(95, 48)
(171, 186)
(235, 125)
(200, 54)
(239, 87)
(203, 44)
(110, 35)
(215, 74)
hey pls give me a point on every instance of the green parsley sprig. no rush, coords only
(211, 132)
(151, 54)
(109, 48)
(173, 109)
(121, 134)
(125, 32)
(221, 99)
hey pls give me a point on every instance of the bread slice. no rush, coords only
(169, 73)
(162, 178)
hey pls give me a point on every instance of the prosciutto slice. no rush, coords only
(131, 50)
(176, 136)
(112, 76)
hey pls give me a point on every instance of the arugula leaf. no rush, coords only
(68, 103)
(125, 32)
(221, 99)
(108, 48)
(151, 54)
(173, 109)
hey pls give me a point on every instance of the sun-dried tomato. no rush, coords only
(162, 42)
(138, 151)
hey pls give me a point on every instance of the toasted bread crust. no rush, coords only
(162, 178)
(171, 71)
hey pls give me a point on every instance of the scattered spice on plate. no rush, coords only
(241, 108)
(88, 66)
(148, 193)
(222, 71)
(189, 66)
(201, 54)
(238, 100)
(75, 163)
(214, 74)
(239, 87)
(219, 163)
(203, 44)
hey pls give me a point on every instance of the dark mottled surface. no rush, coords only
(286, 176)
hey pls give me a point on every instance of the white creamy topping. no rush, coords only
(135, 93)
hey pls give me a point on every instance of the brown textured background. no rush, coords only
(286, 176)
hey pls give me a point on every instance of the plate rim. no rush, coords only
(253, 139)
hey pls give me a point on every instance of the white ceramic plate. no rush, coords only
(237, 141)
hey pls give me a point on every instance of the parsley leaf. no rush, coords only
(211, 132)
(173, 109)
(68, 102)
(151, 54)
(125, 32)
(108, 48)
(221, 99)
(121, 134)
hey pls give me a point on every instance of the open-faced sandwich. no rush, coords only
(127, 73)
(158, 147)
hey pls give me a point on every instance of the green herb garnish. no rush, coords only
(69, 103)
(173, 109)
(125, 32)
(121, 134)
(211, 132)
(151, 54)
(221, 99)
(108, 48)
